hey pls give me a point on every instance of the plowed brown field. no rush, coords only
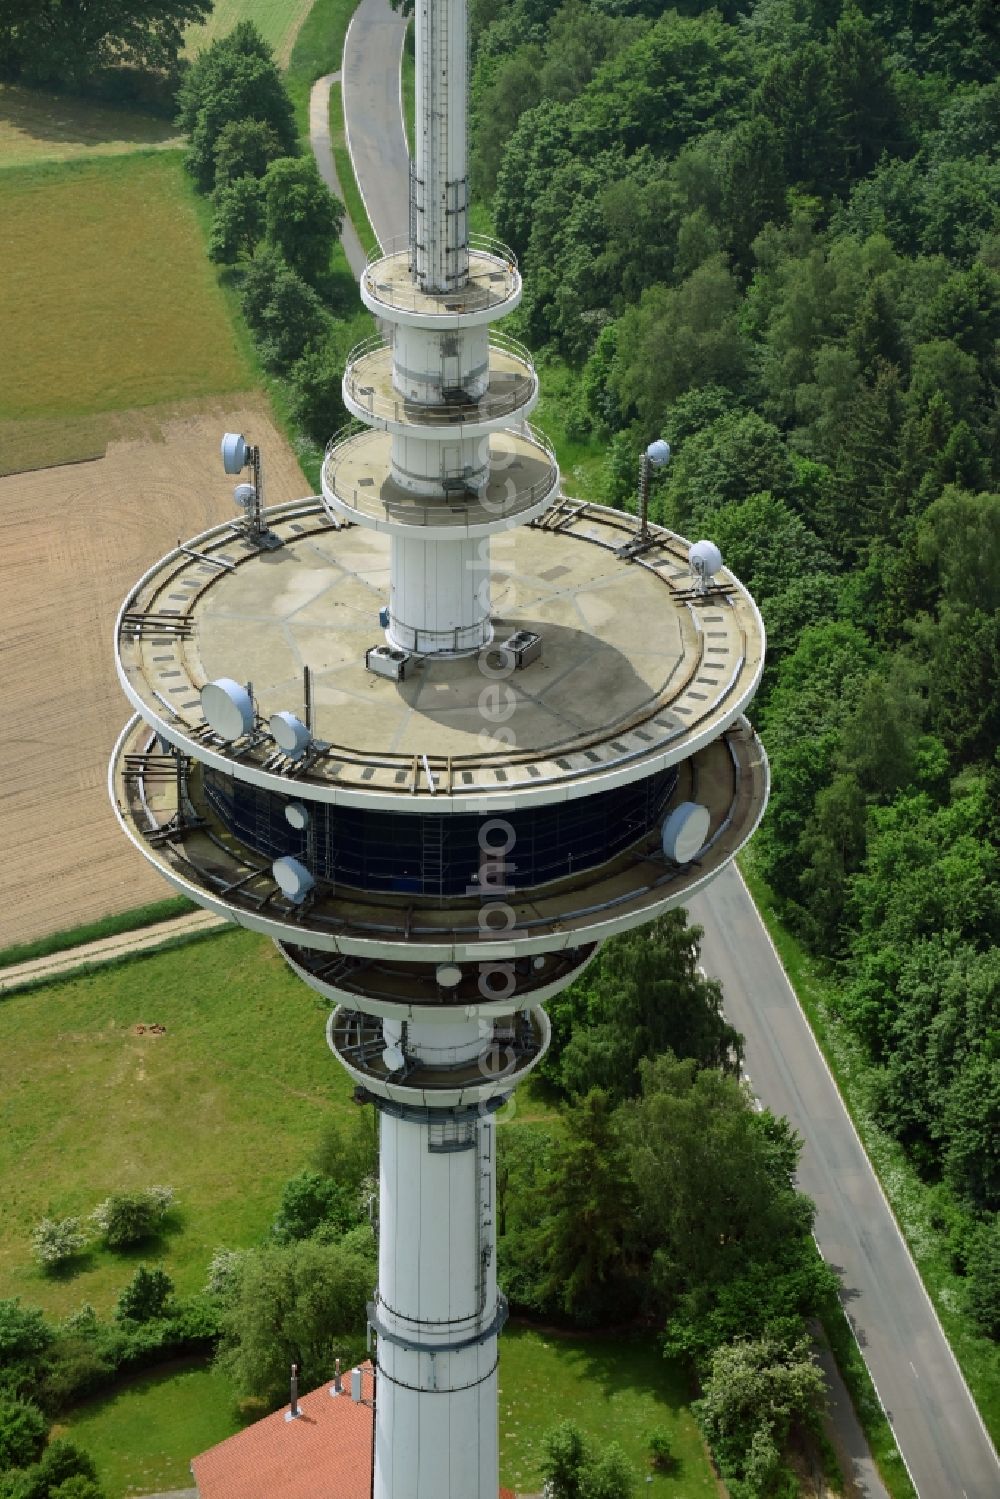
(72, 541)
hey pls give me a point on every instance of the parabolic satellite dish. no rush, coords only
(228, 708)
(705, 559)
(294, 878)
(289, 734)
(297, 816)
(234, 452)
(685, 831)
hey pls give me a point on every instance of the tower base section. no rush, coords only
(437, 1313)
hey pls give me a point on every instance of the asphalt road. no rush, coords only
(372, 52)
(937, 1426)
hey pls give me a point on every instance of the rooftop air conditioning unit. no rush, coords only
(524, 647)
(384, 661)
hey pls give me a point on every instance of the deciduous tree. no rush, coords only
(301, 1303)
(301, 215)
(236, 78)
(45, 42)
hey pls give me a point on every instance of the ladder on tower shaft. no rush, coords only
(432, 855)
(430, 219)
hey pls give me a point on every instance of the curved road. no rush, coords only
(373, 51)
(944, 1443)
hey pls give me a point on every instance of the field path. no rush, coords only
(108, 949)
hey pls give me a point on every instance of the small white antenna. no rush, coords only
(290, 734)
(705, 560)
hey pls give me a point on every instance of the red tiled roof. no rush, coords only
(328, 1450)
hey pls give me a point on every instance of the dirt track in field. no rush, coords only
(72, 541)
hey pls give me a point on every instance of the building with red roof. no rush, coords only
(324, 1452)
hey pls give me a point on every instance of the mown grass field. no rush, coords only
(223, 1107)
(278, 21)
(36, 127)
(107, 299)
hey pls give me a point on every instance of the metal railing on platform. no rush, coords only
(368, 381)
(416, 510)
(492, 278)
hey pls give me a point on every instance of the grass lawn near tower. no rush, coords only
(615, 1389)
(224, 1106)
(143, 1436)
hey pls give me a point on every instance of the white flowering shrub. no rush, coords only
(223, 1270)
(56, 1240)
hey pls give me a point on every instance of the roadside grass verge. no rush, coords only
(278, 22)
(867, 1406)
(915, 1204)
(143, 1436)
(107, 299)
(319, 49)
(36, 126)
(409, 87)
(94, 931)
(613, 1388)
(223, 1107)
(353, 201)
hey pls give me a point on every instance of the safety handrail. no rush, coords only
(391, 406)
(421, 512)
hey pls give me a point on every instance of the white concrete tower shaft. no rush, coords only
(440, 180)
(437, 1313)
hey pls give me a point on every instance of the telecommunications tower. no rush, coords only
(438, 733)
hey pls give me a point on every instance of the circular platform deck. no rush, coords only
(636, 672)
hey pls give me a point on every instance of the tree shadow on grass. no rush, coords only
(615, 1363)
(62, 119)
(154, 1246)
(78, 1264)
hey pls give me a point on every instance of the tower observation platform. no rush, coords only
(439, 732)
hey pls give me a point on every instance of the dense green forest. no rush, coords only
(771, 233)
